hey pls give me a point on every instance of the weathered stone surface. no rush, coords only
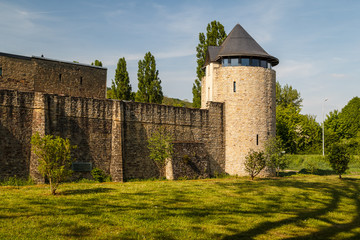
(189, 161)
(184, 124)
(110, 134)
(16, 114)
(51, 76)
(250, 109)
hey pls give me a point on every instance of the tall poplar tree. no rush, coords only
(121, 88)
(215, 35)
(149, 85)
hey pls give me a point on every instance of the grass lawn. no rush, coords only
(296, 207)
(318, 164)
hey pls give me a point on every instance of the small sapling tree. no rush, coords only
(339, 158)
(254, 163)
(274, 153)
(161, 148)
(54, 156)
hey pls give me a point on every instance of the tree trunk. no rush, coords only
(52, 188)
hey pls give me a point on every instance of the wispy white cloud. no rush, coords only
(300, 68)
(338, 75)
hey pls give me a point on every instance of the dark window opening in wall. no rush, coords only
(0, 71)
(257, 139)
(263, 63)
(225, 62)
(234, 61)
(60, 77)
(81, 80)
(245, 61)
(255, 62)
(234, 86)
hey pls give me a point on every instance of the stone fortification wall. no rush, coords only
(16, 113)
(17, 73)
(250, 110)
(69, 78)
(88, 123)
(189, 161)
(110, 134)
(185, 124)
(51, 76)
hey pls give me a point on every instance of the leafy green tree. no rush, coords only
(121, 88)
(54, 156)
(149, 86)
(344, 126)
(298, 132)
(349, 119)
(339, 158)
(274, 153)
(287, 96)
(97, 63)
(161, 149)
(287, 121)
(110, 93)
(176, 102)
(254, 163)
(215, 35)
(309, 134)
(331, 127)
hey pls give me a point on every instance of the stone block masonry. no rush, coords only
(248, 94)
(189, 161)
(16, 116)
(110, 134)
(184, 124)
(41, 74)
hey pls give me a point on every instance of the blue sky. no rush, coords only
(317, 42)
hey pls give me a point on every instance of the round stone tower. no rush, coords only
(239, 74)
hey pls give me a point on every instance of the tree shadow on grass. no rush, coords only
(78, 232)
(85, 191)
(287, 173)
(318, 214)
(319, 172)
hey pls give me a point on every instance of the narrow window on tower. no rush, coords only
(257, 139)
(0, 71)
(81, 80)
(60, 77)
(234, 86)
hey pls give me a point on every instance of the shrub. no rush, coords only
(99, 175)
(311, 165)
(339, 158)
(254, 163)
(54, 156)
(85, 180)
(274, 152)
(15, 181)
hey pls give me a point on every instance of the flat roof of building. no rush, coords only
(47, 59)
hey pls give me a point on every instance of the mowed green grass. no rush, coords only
(296, 207)
(319, 162)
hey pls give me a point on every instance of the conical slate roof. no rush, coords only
(240, 43)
